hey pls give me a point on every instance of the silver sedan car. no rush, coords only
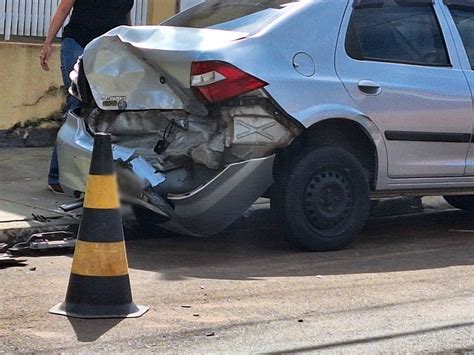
(320, 105)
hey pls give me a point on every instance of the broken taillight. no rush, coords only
(214, 81)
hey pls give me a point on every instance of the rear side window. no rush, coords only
(233, 15)
(396, 31)
(464, 18)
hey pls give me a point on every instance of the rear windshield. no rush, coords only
(248, 16)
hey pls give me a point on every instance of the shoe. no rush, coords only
(56, 188)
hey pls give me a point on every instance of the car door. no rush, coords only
(460, 16)
(397, 61)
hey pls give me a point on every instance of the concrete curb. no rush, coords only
(31, 138)
(421, 217)
(399, 211)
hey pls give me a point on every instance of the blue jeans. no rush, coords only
(70, 52)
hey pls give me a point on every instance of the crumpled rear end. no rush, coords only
(199, 164)
(203, 171)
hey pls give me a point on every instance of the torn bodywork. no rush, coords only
(176, 140)
(197, 164)
(186, 167)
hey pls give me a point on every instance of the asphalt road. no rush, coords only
(407, 285)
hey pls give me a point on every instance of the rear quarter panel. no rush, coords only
(310, 27)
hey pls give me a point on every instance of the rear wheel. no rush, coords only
(323, 199)
(463, 202)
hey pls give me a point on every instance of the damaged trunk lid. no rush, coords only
(149, 67)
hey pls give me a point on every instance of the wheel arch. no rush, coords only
(356, 133)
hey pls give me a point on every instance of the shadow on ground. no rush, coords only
(254, 248)
(89, 330)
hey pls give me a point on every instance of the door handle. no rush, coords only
(369, 87)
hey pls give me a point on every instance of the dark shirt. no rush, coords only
(92, 18)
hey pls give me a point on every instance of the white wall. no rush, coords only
(32, 17)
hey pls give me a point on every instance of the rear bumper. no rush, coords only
(204, 211)
(74, 153)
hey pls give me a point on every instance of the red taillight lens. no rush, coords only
(214, 81)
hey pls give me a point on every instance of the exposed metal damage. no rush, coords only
(187, 167)
(189, 150)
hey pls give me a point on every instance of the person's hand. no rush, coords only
(45, 55)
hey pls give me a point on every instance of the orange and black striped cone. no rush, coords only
(99, 285)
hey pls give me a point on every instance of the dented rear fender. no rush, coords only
(148, 67)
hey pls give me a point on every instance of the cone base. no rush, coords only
(98, 312)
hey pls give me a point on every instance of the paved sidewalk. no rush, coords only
(26, 206)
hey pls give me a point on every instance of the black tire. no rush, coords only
(323, 200)
(463, 202)
(149, 223)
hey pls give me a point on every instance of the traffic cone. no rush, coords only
(99, 285)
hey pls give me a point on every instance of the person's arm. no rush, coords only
(129, 19)
(59, 17)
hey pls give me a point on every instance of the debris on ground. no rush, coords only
(6, 260)
(210, 334)
(185, 306)
(3, 247)
(45, 242)
(39, 218)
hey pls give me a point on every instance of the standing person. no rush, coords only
(89, 19)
